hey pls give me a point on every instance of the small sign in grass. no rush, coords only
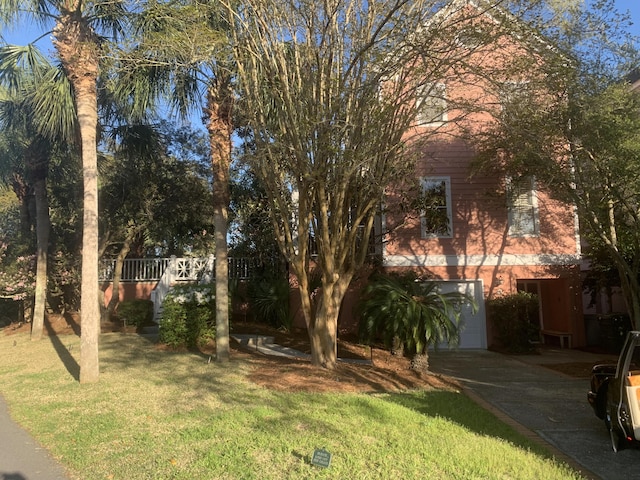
(321, 458)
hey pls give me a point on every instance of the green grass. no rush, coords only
(164, 415)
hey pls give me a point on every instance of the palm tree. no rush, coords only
(78, 46)
(182, 55)
(409, 315)
(29, 79)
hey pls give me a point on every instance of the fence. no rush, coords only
(185, 269)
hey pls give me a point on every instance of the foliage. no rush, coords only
(328, 92)
(411, 310)
(17, 263)
(155, 196)
(578, 134)
(136, 312)
(65, 200)
(515, 319)
(10, 311)
(188, 316)
(17, 277)
(269, 300)
(251, 232)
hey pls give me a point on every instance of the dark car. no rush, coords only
(615, 394)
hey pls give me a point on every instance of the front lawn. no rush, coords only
(157, 414)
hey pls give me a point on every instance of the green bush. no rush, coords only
(515, 319)
(269, 300)
(188, 316)
(409, 314)
(136, 312)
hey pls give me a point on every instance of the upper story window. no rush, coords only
(431, 104)
(522, 206)
(470, 37)
(513, 97)
(435, 207)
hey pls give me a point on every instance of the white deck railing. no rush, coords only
(169, 271)
(187, 269)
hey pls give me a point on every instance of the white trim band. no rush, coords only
(479, 260)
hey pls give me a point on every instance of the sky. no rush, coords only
(633, 6)
(22, 34)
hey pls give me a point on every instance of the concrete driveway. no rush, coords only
(550, 404)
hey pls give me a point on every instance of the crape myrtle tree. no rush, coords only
(580, 138)
(329, 92)
(179, 53)
(76, 37)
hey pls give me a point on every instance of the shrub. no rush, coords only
(136, 312)
(269, 300)
(188, 317)
(409, 314)
(515, 319)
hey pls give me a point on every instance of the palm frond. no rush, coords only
(52, 103)
(20, 65)
(414, 311)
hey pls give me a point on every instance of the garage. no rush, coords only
(473, 325)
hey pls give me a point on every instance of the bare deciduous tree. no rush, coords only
(329, 90)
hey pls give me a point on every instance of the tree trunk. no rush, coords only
(323, 332)
(21, 189)
(78, 49)
(43, 225)
(219, 126)
(117, 275)
(420, 362)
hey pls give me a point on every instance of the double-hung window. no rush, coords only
(522, 207)
(514, 99)
(431, 104)
(435, 207)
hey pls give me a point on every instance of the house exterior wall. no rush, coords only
(128, 291)
(480, 246)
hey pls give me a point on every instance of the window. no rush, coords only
(522, 207)
(470, 37)
(514, 98)
(435, 207)
(431, 104)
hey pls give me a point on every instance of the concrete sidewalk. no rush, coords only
(21, 457)
(540, 401)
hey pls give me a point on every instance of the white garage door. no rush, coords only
(473, 325)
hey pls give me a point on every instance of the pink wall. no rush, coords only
(129, 291)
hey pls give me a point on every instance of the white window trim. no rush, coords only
(511, 90)
(532, 195)
(447, 184)
(423, 93)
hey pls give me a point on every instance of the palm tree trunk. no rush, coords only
(43, 225)
(220, 128)
(77, 46)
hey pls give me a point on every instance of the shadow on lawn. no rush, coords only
(459, 409)
(63, 352)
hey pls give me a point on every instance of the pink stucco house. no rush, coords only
(484, 235)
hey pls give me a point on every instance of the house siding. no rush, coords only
(480, 246)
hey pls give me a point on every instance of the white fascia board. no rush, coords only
(479, 260)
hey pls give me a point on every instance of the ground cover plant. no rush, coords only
(162, 413)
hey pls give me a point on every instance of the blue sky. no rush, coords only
(633, 6)
(23, 33)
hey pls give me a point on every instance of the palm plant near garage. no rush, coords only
(409, 314)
